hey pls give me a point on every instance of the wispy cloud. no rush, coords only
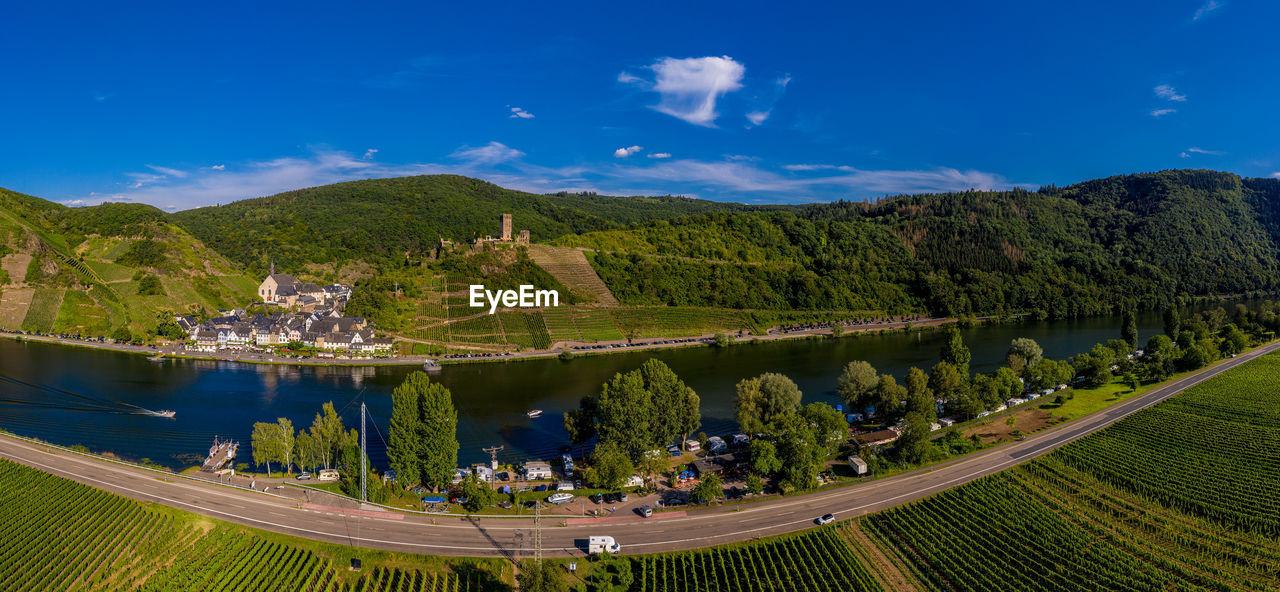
(765, 109)
(627, 151)
(688, 88)
(102, 96)
(1206, 9)
(518, 113)
(1196, 150)
(1162, 112)
(1169, 93)
(491, 153)
(1276, 175)
(219, 167)
(738, 179)
(368, 154)
(168, 171)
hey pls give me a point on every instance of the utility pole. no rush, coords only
(363, 471)
(537, 532)
(493, 463)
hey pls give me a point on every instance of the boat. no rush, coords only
(165, 413)
(431, 366)
(157, 358)
(534, 413)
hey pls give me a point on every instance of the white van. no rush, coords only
(602, 544)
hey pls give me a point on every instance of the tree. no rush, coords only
(1023, 353)
(580, 423)
(610, 467)
(764, 457)
(920, 396)
(956, 353)
(539, 576)
(890, 397)
(827, 423)
(799, 448)
(945, 381)
(1172, 322)
(438, 431)
(754, 483)
(477, 493)
(856, 384)
(1050, 373)
(709, 489)
(285, 443)
(676, 408)
(913, 444)
(306, 452)
(266, 444)
(762, 399)
(1129, 328)
(721, 340)
(329, 434)
(404, 444)
(1234, 340)
(638, 410)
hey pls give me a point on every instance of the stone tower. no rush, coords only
(506, 227)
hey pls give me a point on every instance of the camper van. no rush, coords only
(602, 544)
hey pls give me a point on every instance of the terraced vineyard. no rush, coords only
(1182, 496)
(665, 321)
(816, 560)
(61, 535)
(580, 324)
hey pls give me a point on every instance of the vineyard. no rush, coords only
(61, 535)
(663, 321)
(812, 561)
(1182, 496)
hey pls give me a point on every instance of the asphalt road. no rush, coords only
(514, 537)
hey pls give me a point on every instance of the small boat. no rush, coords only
(431, 366)
(165, 413)
(535, 413)
(157, 358)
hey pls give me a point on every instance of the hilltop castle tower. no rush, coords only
(506, 227)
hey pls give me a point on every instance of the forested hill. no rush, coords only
(1134, 240)
(378, 220)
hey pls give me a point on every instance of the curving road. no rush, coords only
(514, 537)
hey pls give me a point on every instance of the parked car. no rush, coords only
(825, 519)
(303, 476)
(645, 511)
(596, 498)
(610, 498)
(622, 497)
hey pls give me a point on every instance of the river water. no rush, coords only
(70, 395)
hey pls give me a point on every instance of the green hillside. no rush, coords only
(92, 270)
(1135, 240)
(377, 221)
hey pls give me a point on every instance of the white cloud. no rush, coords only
(743, 176)
(518, 113)
(491, 153)
(688, 88)
(368, 154)
(625, 152)
(1195, 150)
(100, 97)
(1276, 175)
(1183, 155)
(1206, 9)
(168, 171)
(758, 117)
(1162, 112)
(660, 155)
(1169, 93)
(219, 167)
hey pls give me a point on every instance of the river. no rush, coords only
(80, 396)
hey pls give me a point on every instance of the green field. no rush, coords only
(61, 535)
(1182, 496)
(816, 560)
(44, 309)
(664, 321)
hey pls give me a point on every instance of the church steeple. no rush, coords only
(273, 267)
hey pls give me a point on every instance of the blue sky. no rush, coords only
(757, 102)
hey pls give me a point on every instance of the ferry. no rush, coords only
(534, 413)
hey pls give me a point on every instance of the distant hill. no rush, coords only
(376, 221)
(1135, 240)
(92, 270)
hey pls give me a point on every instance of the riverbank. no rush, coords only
(559, 349)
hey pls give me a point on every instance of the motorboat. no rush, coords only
(166, 413)
(534, 413)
